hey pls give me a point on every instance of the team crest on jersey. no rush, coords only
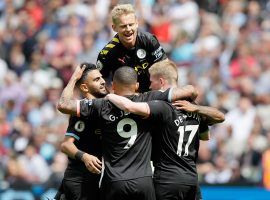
(79, 126)
(99, 65)
(141, 53)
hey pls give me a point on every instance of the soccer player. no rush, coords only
(175, 175)
(129, 47)
(82, 142)
(126, 139)
(163, 75)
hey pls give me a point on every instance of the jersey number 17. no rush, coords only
(183, 130)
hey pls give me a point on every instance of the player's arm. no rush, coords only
(204, 136)
(67, 104)
(211, 115)
(129, 106)
(204, 132)
(92, 163)
(187, 92)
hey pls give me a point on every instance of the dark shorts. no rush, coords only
(80, 190)
(133, 189)
(168, 191)
(199, 193)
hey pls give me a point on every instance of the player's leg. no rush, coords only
(187, 192)
(60, 193)
(74, 190)
(116, 190)
(199, 193)
(142, 189)
(91, 190)
(134, 189)
(165, 191)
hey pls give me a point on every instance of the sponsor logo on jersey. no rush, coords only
(158, 53)
(141, 69)
(122, 60)
(99, 65)
(141, 53)
(79, 126)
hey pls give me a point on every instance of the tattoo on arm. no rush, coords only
(67, 104)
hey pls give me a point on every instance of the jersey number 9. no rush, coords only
(127, 128)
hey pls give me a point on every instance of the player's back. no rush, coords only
(126, 143)
(126, 139)
(177, 146)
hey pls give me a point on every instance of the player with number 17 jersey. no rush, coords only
(175, 159)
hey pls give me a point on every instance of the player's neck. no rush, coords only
(167, 86)
(89, 96)
(124, 92)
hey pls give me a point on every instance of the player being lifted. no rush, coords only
(129, 47)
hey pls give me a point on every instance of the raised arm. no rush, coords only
(67, 104)
(129, 106)
(187, 92)
(211, 114)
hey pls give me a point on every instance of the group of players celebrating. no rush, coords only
(113, 137)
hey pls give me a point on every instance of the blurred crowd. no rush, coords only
(220, 46)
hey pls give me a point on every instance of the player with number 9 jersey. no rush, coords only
(126, 144)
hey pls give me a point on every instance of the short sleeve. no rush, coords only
(103, 66)
(157, 53)
(203, 127)
(75, 127)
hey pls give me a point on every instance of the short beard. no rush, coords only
(99, 94)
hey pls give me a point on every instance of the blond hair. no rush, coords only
(121, 9)
(165, 69)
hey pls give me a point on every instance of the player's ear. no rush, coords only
(137, 86)
(113, 86)
(137, 23)
(114, 27)
(83, 87)
(161, 81)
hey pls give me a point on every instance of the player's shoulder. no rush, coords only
(155, 95)
(145, 35)
(110, 47)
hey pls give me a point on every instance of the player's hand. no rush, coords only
(77, 74)
(92, 163)
(185, 105)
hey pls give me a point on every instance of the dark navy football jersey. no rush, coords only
(146, 51)
(88, 139)
(175, 159)
(126, 137)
